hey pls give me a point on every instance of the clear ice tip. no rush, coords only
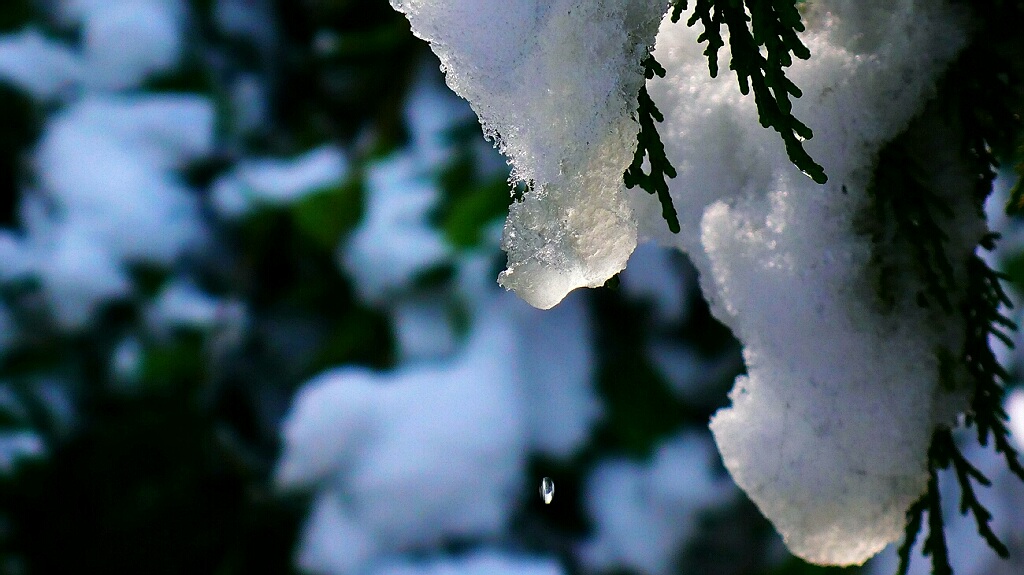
(547, 490)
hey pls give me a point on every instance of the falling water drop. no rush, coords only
(547, 489)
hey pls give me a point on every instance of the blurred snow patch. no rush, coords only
(645, 514)
(276, 182)
(652, 275)
(18, 445)
(77, 273)
(424, 328)
(394, 242)
(43, 67)
(181, 304)
(1015, 409)
(557, 368)
(126, 362)
(410, 457)
(107, 163)
(109, 196)
(431, 110)
(482, 562)
(126, 41)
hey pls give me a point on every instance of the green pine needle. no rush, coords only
(753, 25)
(649, 145)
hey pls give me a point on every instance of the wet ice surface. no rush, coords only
(554, 85)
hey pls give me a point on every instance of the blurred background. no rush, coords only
(249, 324)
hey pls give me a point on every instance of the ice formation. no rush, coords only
(554, 84)
(829, 430)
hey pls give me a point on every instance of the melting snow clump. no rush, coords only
(558, 105)
(828, 431)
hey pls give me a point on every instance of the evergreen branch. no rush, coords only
(649, 144)
(914, 518)
(1015, 204)
(935, 543)
(677, 9)
(753, 24)
(709, 12)
(983, 97)
(900, 192)
(984, 297)
(989, 80)
(965, 473)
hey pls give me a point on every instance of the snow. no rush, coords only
(424, 328)
(150, 27)
(1015, 410)
(435, 449)
(377, 439)
(828, 433)
(394, 242)
(829, 430)
(644, 514)
(182, 304)
(77, 274)
(558, 105)
(275, 182)
(126, 364)
(42, 67)
(108, 195)
(18, 445)
(481, 562)
(108, 165)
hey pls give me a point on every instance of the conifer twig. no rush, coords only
(649, 144)
(753, 25)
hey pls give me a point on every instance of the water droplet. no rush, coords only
(547, 490)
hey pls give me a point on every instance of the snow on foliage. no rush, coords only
(106, 164)
(275, 182)
(645, 514)
(435, 449)
(122, 203)
(828, 432)
(374, 438)
(39, 65)
(559, 107)
(394, 242)
(151, 27)
(483, 562)
(1003, 498)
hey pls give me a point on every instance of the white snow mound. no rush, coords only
(554, 84)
